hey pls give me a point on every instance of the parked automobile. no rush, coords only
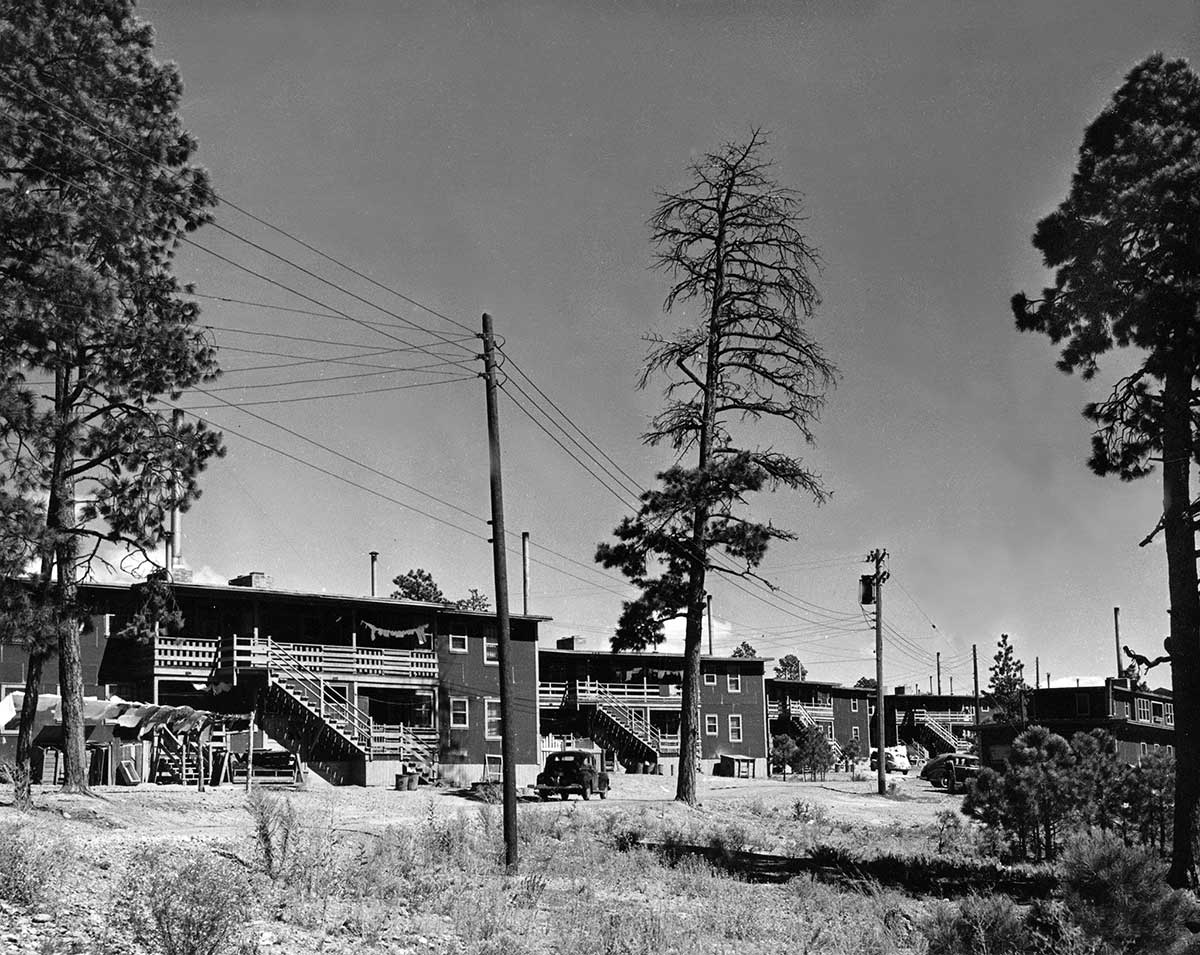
(951, 770)
(895, 760)
(571, 771)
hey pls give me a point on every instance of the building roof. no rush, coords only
(194, 589)
(651, 655)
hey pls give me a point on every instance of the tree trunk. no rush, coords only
(60, 518)
(1185, 618)
(689, 730)
(23, 769)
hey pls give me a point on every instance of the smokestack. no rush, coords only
(177, 568)
(525, 572)
(374, 557)
(1117, 637)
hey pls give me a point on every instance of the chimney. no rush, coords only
(256, 580)
(566, 643)
(374, 558)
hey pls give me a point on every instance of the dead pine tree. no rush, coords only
(96, 194)
(732, 246)
(1123, 246)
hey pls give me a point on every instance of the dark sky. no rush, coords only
(504, 157)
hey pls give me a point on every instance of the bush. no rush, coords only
(976, 925)
(1118, 893)
(276, 831)
(183, 903)
(27, 868)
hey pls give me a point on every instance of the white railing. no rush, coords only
(331, 660)
(192, 654)
(631, 694)
(807, 713)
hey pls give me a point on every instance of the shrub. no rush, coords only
(276, 831)
(976, 925)
(27, 868)
(183, 903)
(1118, 893)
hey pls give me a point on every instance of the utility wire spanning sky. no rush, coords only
(504, 158)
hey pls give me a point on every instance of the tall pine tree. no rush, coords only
(97, 189)
(1124, 246)
(731, 244)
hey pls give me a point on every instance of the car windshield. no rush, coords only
(571, 760)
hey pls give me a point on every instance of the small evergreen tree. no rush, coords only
(1007, 690)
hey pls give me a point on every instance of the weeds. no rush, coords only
(28, 868)
(179, 903)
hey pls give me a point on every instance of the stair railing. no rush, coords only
(634, 721)
(359, 725)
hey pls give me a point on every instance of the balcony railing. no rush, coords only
(197, 656)
(551, 693)
(776, 708)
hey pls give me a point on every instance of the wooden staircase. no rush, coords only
(616, 726)
(302, 713)
(800, 716)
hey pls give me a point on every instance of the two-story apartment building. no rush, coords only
(842, 713)
(355, 686)
(1141, 721)
(627, 705)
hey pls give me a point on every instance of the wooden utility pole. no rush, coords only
(508, 748)
(877, 557)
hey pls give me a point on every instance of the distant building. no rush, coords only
(842, 713)
(938, 722)
(1141, 721)
(627, 706)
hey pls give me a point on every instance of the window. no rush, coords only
(854, 733)
(491, 649)
(1083, 704)
(1156, 747)
(735, 729)
(829, 730)
(1145, 749)
(733, 682)
(459, 713)
(854, 704)
(711, 724)
(1143, 710)
(1156, 711)
(985, 708)
(1170, 750)
(5, 689)
(491, 715)
(493, 768)
(458, 643)
(710, 679)
(1170, 715)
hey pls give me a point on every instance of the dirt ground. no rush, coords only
(167, 812)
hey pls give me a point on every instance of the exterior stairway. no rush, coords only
(615, 726)
(801, 717)
(300, 712)
(940, 730)
(175, 759)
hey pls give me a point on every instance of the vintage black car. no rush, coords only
(571, 771)
(951, 770)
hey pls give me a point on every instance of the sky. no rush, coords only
(505, 157)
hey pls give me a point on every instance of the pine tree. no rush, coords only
(96, 193)
(731, 243)
(1007, 690)
(1123, 244)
